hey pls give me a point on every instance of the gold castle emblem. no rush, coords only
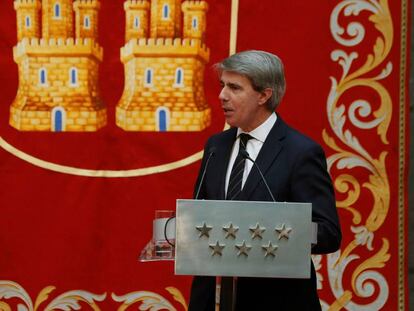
(58, 71)
(164, 67)
(58, 66)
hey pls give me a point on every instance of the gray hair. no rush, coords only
(263, 69)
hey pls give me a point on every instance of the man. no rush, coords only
(294, 166)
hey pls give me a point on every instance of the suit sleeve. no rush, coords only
(202, 296)
(312, 183)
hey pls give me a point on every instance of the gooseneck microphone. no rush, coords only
(211, 152)
(246, 155)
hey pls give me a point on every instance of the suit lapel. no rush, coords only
(267, 155)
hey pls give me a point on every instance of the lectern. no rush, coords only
(243, 239)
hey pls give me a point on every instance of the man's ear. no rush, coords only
(265, 95)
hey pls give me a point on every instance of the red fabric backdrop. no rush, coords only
(80, 233)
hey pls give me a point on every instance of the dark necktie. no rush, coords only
(236, 175)
(229, 284)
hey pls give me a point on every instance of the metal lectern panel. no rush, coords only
(243, 238)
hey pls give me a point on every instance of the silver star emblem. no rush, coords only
(231, 231)
(204, 230)
(257, 231)
(283, 232)
(269, 249)
(217, 248)
(243, 249)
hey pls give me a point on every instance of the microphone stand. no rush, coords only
(228, 288)
(246, 155)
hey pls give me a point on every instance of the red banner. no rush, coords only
(101, 124)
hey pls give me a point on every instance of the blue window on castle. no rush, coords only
(166, 11)
(28, 22)
(179, 73)
(148, 76)
(195, 23)
(57, 10)
(162, 120)
(73, 76)
(58, 126)
(136, 22)
(42, 76)
(86, 22)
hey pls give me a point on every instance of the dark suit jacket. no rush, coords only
(295, 169)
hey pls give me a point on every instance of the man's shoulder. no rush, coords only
(299, 140)
(228, 134)
(295, 134)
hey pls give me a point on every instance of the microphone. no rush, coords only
(211, 152)
(246, 155)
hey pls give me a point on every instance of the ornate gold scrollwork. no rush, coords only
(72, 300)
(67, 301)
(150, 300)
(351, 154)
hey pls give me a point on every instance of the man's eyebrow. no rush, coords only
(233, 85)
(230, 84)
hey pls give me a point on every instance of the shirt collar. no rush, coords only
(260, 133)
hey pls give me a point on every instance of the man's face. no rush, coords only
(243, 106)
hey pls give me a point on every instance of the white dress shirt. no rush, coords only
(253, 147)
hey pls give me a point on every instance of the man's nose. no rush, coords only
(223, 94)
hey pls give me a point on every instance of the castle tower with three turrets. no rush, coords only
(164, 59)
(58, 64)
